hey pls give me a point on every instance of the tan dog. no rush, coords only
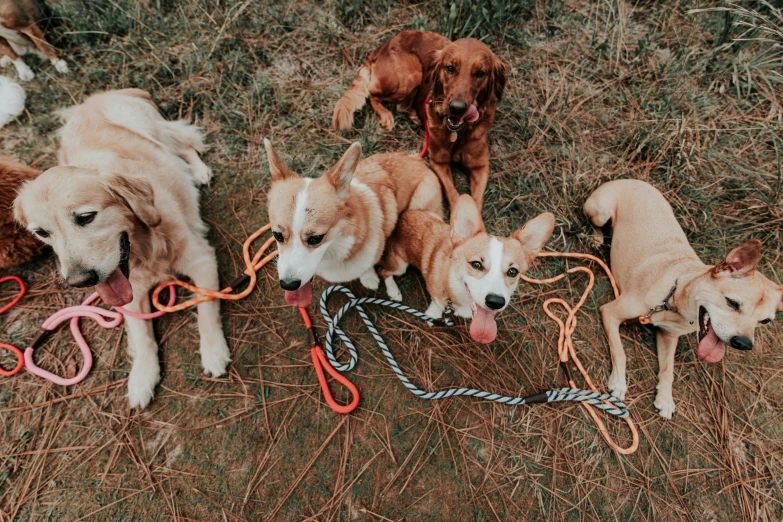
(467, 271)
(656, 269)
(464, 80)
(336, 226)
(20, 35)
(122, 215)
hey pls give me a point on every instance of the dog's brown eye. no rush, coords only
(480, 74)
(279, 237)
(766, 321)
(477, 265)
(41, 233)
(85, 219)
(450, 69)
(315, 240)
(734, 305)
(512, 272)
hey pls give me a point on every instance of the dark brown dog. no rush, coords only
(17, 246)
(464, 80)
(20, 35)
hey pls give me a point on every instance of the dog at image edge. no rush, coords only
(462, 265)
(651, 260)
(336, 226)
(464, 81)
(122, 214)
(20, 35)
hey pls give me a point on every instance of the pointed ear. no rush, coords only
(535, 234)
(134, 194)
(465, 220)
(741, 261)
(277, 166)
(497, 81)
(341, 174)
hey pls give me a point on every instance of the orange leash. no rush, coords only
(252, 266)
(16, 351)
(565, 344)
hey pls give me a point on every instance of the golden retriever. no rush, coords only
(121, 213)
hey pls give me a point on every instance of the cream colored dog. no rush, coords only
(121, 213)
(467, 271)
(658, 273)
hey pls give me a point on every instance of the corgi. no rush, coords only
(467, 271)
(336, 226)
(660, 275)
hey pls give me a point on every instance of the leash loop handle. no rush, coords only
(8, 346)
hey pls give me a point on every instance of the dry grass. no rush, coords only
(678, 94)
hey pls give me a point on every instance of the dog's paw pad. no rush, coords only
(665, 407)
(60, 66)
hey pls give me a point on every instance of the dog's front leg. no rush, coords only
(143, 351)
(442, 167)
(478, 165)
(613, 315)
(200, 265)
(667, 346)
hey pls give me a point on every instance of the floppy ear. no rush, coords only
(535, 234)
(18, 212)
(497, 77)
(465, 220)
(432, 75)
(341, 174)
(277, 167)
(136, 195)
(741, 261)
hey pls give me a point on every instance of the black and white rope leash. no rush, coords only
(607, 403)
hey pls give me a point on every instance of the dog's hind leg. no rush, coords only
(428, 196)
(201, 173)
(143, 351)
(25, 73)
(667, 345)
(36, 35)
(188, 141)
(198, 262)
(613, 314)
(392, 265)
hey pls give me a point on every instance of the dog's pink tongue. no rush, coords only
(300, 298)
(483, 328)
(711, 349)
(471, 115)
(116, 290)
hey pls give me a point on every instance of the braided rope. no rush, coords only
(607, 403)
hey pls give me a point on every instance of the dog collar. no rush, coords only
(663, 307)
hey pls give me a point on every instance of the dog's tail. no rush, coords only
(352, 100)
(12, 98)
(601, 206)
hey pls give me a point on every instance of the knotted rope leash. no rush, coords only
(589, 398)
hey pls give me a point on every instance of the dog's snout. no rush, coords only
(290, 284)
(457, 107)
(82, 278)
(741, 343)
(495, 302)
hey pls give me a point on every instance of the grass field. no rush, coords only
(677, 93)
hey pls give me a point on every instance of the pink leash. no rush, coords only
(105, 318)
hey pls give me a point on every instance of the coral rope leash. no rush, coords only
(591, 399)
(13, 349)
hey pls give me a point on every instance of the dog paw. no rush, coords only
(434, 311)
(665, 405)
(201, 173)
(5, 61)
(617, 386)
(387, 121)
(215, 357)
(141, 383)
(370, 279)
(395, 294)
(25, 73)
(60, 66)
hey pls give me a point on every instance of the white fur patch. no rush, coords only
(12, 98)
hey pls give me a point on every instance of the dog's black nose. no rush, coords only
(495, 302)
(457, 107)
(82, 278)
(290, 284)
(741, 343)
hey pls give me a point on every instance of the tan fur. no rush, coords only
(17, 246)
(649, 254)
(139, 173)
(443, 253)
